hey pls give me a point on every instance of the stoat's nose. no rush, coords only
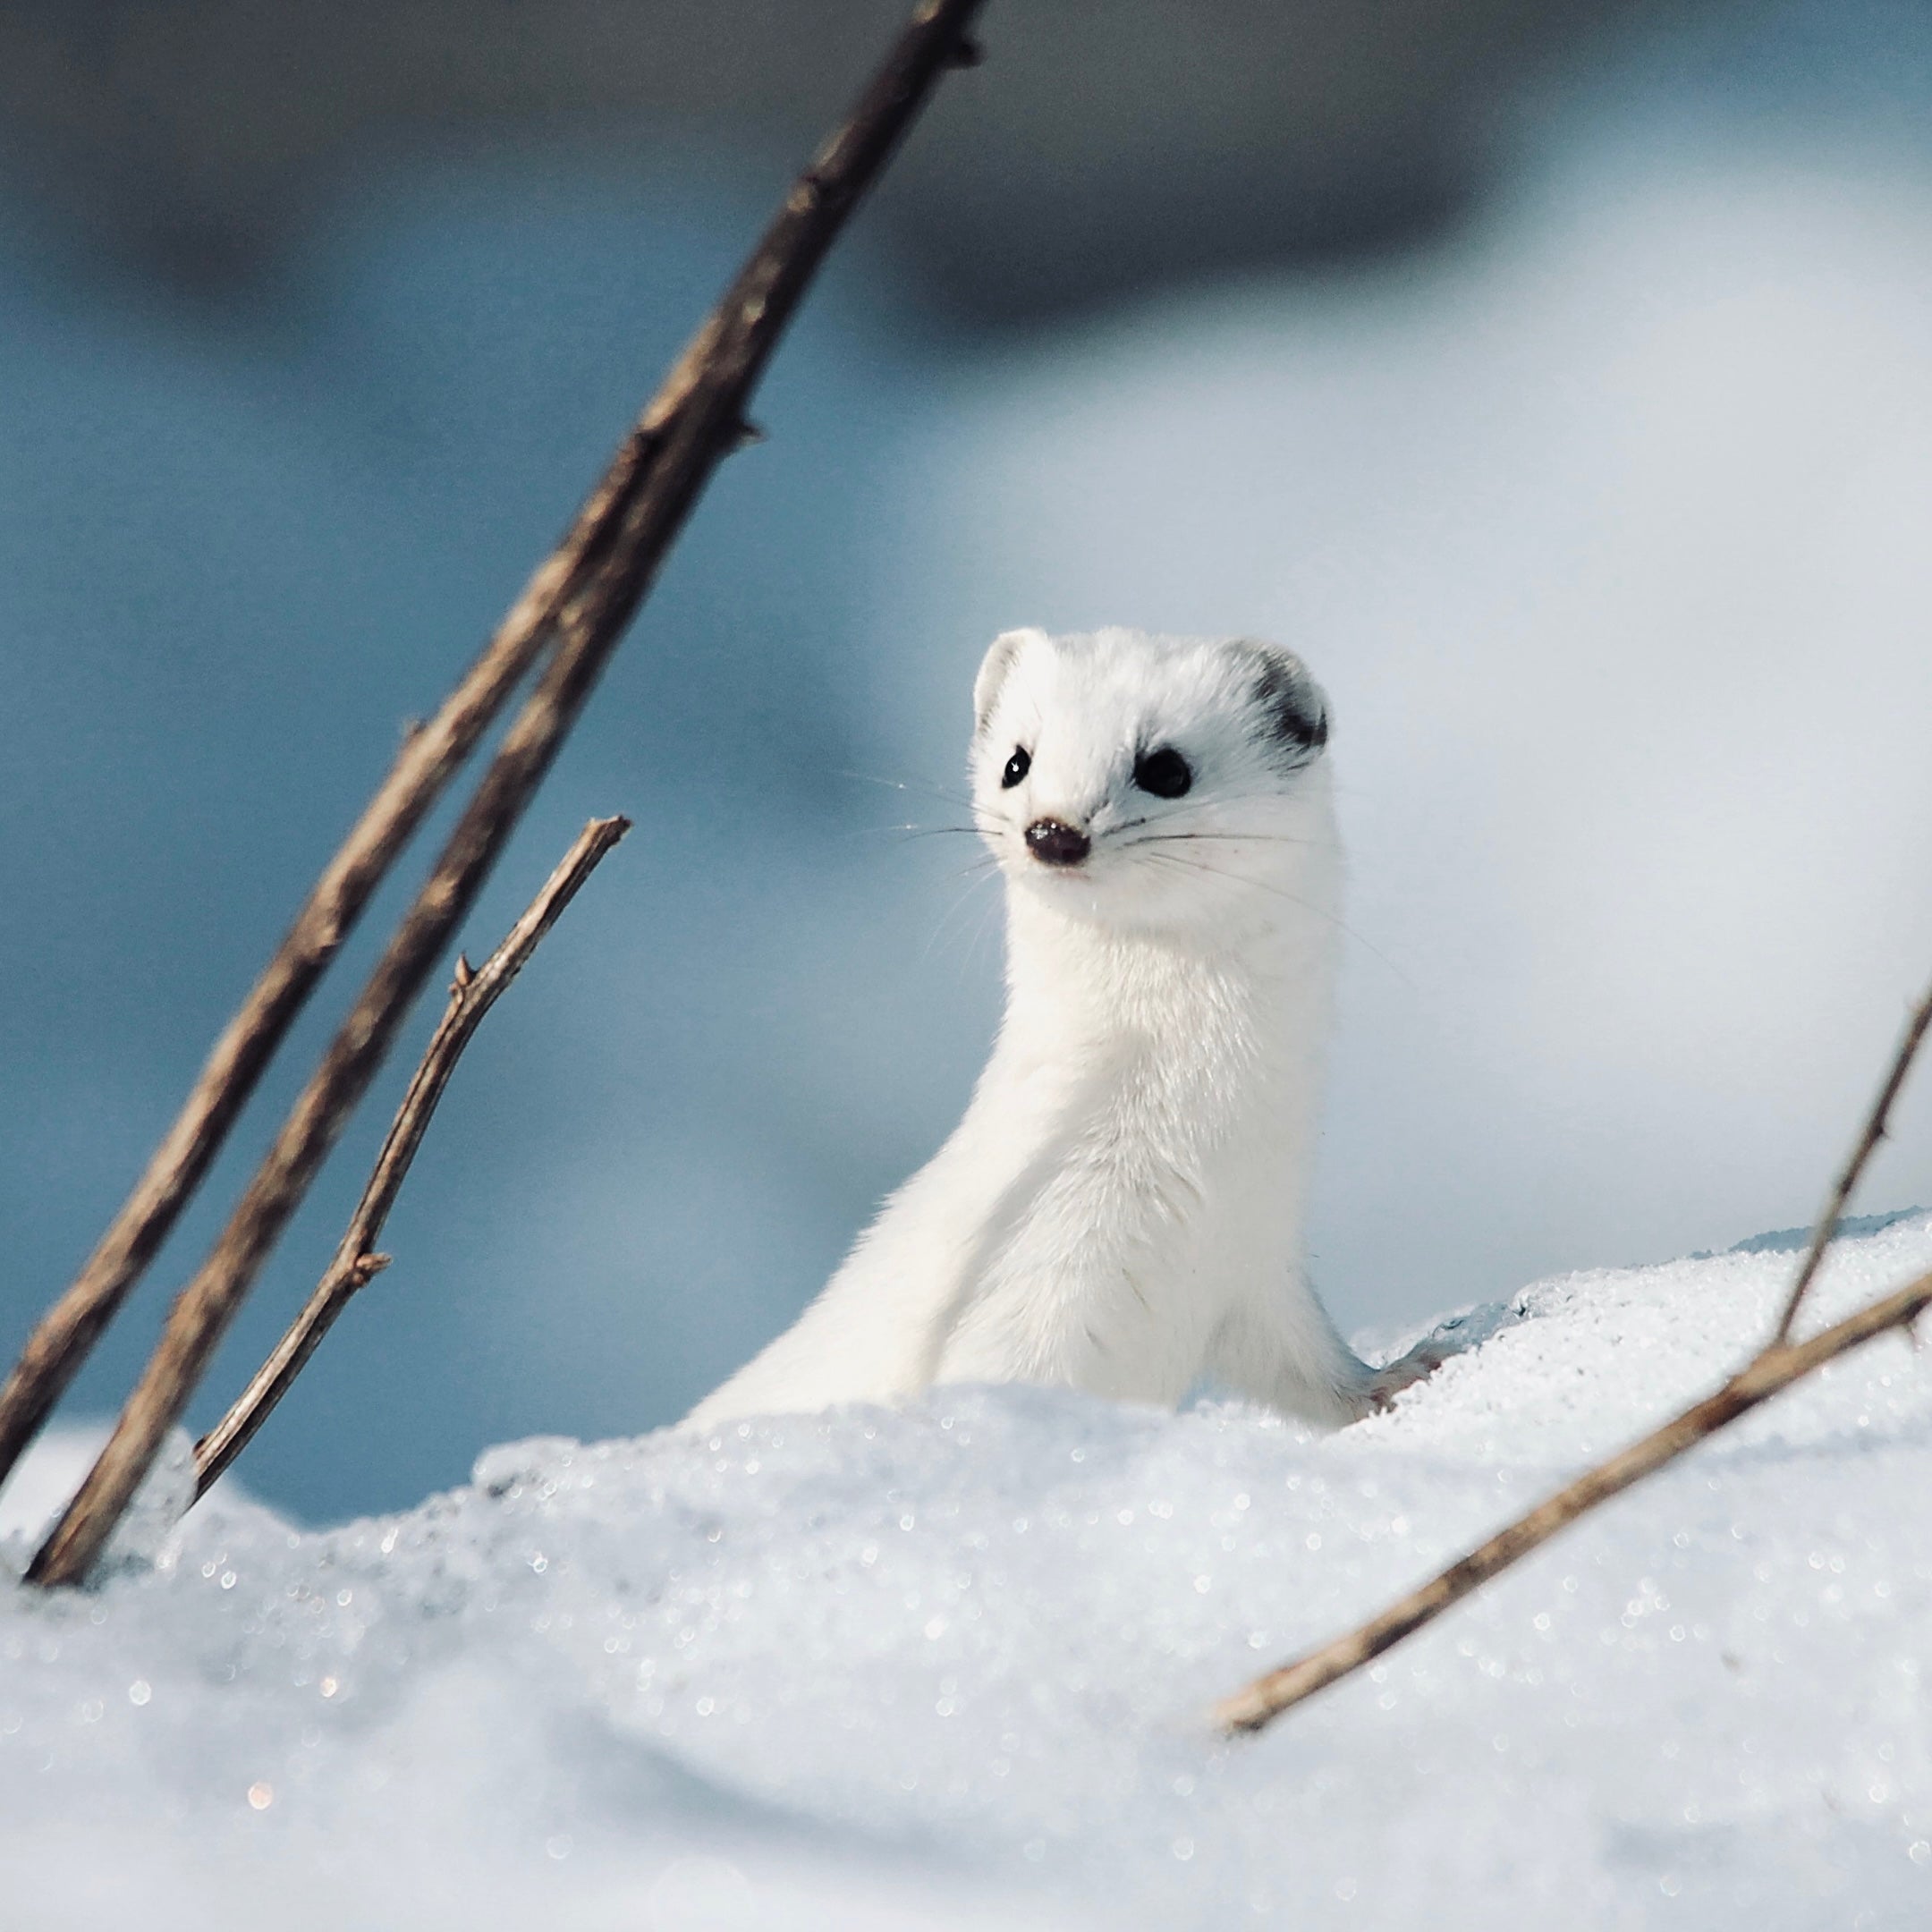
(1056, 844)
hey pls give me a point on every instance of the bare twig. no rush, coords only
(356, 1262)
(696, 419)
(1776, 1367)
(1869, 1135)
(431, 755)
(429, 759)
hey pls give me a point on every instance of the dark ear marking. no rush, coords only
(1294, 713)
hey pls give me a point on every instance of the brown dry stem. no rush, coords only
(1779, 1364)
(356, 1263)
(430, 757)
(432, 753)
(1870, 1134)
(1776, 1367)
(590, 593)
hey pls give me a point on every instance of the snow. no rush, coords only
(948, 1667)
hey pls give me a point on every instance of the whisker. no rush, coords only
(945, 792)
(1229, 838)
(975, 876)
(1208, 799)
(911, 831)
(1201, 865)
(1334, 919)
(988, 911)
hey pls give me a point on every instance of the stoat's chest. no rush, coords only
(1154, 1180)
(1169, 1134)
(1199, 1116)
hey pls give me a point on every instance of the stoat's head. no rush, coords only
(1145, 780)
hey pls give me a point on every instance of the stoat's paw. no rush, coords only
(1405, 1371)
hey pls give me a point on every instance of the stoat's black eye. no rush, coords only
(1017, 767)
(1164, 773)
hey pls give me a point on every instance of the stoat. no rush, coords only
(1122, 1209)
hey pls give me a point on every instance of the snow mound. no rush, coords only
(948, 1667)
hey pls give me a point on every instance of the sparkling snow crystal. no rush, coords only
(949, 1668)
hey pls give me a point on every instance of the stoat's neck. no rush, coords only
(1255, 1002)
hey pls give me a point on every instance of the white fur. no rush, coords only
(1121, 1209)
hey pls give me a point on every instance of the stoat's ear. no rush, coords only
(997, 662)
(1292, 708)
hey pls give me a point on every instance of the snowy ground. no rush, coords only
(948, 1667)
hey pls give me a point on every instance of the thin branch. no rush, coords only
(431, 757)
(1869, 1135)
(1776, 1367)
(66, 1334)
(696, 420)
(356, 1262)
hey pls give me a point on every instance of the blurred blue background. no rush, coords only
(1560, 382)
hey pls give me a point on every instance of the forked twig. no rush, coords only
(356, 1262)
(431, 757)
(66, 1334)
(696, 420)
(1775, 1367)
